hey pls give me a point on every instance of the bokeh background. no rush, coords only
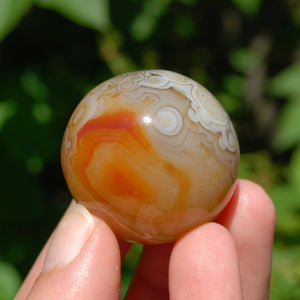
(52, 52)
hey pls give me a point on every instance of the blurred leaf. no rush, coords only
(243, 60)
(286, 83)
(42, 113)
(151, 58)
(248, 7)
(294, 170)
(232, 98)
(90, 13)
(285, 198)
(234, 85)
(295, 10)
(33, 86)
(34, 164)
(185, 26)
(287, 203)
(231, 104)
(145, 22)
(8, 109)
(285, 279)
(258, 167)
(287, 133)
(117, 61)
(48, 63)
(188, 2)
(30, 133)
(11, 12)
(10, 281)
(25, 191)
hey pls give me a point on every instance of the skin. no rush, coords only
(227, 259)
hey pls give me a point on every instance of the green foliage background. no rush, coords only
(247, 52)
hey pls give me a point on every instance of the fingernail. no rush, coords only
(71, 233)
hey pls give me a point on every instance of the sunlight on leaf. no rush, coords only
(11, 13)
(90, 13)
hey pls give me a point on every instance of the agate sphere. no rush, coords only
(152, 153)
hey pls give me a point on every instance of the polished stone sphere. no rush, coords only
(152, 153)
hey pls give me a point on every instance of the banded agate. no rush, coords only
(152, 153)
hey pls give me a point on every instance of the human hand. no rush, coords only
(226, 259)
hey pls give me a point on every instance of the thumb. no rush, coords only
(82, 261)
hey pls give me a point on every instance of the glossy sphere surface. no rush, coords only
(153, 153)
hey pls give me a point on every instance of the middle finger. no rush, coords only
(150, 280)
